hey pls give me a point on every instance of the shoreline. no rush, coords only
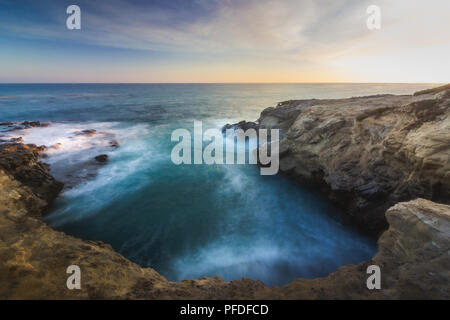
(30, 247)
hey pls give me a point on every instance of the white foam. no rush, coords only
(134, 155)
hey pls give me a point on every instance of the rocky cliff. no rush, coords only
(372, 151)
(367, 153)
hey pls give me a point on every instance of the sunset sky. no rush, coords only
(225, 41)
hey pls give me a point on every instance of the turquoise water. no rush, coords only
(187, 221)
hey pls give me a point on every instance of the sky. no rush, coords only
(225, 41)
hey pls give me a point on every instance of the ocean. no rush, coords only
(187, 221)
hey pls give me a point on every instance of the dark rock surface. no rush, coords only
(14, 126)
(103, 158)
(20, 161)
(244, 125)
(87, 132)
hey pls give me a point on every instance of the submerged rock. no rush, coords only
(101, 158)
(115, 143)
(56, 146)
(12, 140)
(87, 132)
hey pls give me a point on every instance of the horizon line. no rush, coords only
(243, 82)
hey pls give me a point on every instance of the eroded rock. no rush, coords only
(367, 153)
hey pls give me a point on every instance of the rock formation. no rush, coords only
(367, 153)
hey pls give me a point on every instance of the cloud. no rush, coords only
(296, 34)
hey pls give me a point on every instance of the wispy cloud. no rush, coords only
(285, 34)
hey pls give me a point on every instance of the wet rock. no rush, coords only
(16, 140)
(12, 140)
(114, 143)
(244, 125)
(15, 126)
(56, 146)
(87, 132)
(31, 124)
(103, 158)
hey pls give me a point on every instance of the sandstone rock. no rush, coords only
(20, 161)
(367, 153)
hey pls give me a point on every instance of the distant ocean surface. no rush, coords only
(187, 221)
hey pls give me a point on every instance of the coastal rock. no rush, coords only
(114, 143)
(367, 153)
(244, 125)
(87, 132)
(14, 126)
(12, 140)
(415, 251)
(413, 257)
(32, 124)
(103, 158)
(20, 162)
(56, 146)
